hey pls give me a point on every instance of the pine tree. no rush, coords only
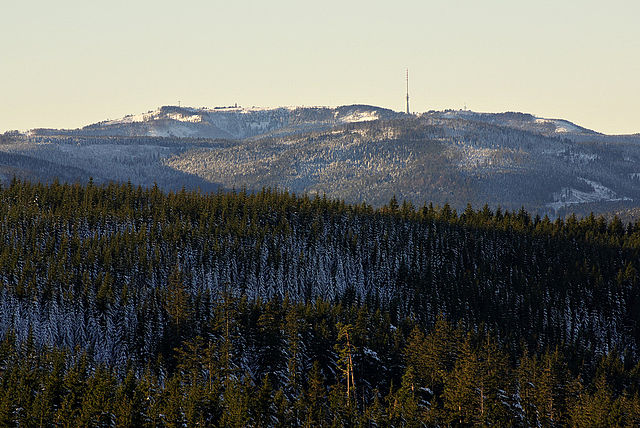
(262, 407)
(236, 401)
(128, 402)
(172, 406)
(315, 397)
(435, 357)
(408, 411)
(346, 350)
(74, 384)
(462, 397)
(177, 301)
(96, 408)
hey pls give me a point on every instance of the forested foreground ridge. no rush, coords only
(130, 306)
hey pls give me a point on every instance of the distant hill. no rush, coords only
(228, 122)
(523, 121)
(356, 153)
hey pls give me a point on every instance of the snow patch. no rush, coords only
(583, 157)
(473, 157)
(360, 116)
(454, 114)
(561, 126)
(132, 118)
(579, 158)
(264, 124)
(194, 118)
(371, 353)
(181, 115)
(569, 196)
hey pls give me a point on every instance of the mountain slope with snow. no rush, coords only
(356, 153)
(522, 121)
(229, 122)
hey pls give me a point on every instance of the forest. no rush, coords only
(131, 306)
(511, 160)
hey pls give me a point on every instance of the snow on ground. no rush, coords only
(184, 118)
(473, 157)
(233, 121)
(359, 116)
(182, 115)
(132, 118)
(190, 114)
(562, 126)
(569, 196)
(579, 157)
(263, 124)
(454, 114)
(371, 353)
(554, 152)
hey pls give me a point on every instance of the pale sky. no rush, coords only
(65, 64)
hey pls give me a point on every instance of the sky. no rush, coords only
(65, 64)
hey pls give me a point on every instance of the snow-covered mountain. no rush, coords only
(523, 121)
(356, 153)
(241, 122)
(229, 122)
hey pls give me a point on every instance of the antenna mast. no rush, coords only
(408, 91)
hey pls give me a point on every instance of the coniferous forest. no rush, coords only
(129, 306)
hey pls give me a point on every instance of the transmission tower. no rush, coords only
(408, 91)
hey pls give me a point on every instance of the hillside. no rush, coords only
(355, 153)
(129, 306)
(428, 159)
(228, 122)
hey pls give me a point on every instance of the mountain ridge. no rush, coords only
(227, 122)
(357, 153)
(244, 122)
